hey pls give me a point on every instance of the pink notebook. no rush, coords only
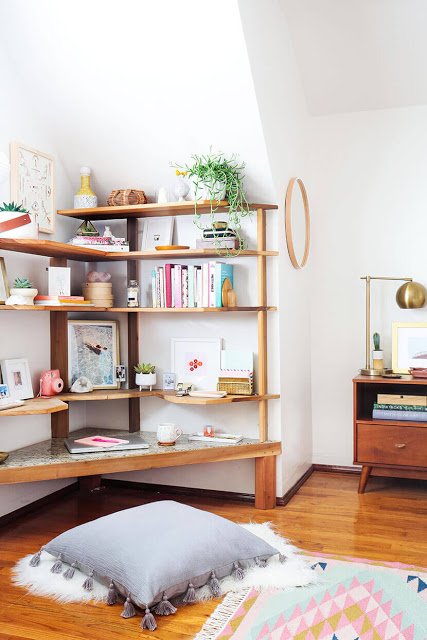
(101, 441)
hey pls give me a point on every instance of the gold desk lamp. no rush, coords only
(410, 295)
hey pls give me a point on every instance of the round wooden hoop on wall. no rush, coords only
(288, 223)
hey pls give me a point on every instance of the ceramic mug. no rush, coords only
(168, 433)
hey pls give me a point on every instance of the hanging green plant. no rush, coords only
(215, 177)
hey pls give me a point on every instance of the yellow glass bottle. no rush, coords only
(85, 197)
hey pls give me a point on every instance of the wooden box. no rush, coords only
(393, 398)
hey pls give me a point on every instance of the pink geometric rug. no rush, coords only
(356, 600)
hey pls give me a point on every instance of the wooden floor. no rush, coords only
(387, 522)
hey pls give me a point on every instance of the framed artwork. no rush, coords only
(32, 184)
(169, 381)
(16, 375)
(4, 285)
(409, 346)
(196, 361)
(157, 232)
(93, 352)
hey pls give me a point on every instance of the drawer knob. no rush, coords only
(400, 445)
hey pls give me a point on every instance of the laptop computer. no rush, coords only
(134, 441)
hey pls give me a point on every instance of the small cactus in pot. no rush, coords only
(377, 353)
(22, 292)
(145, 375)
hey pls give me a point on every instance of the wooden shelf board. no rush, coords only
(169, 396)
(36, 406)
(92, 309)
(151, 210)
(405, 379)
(50, 459)
(186, 253)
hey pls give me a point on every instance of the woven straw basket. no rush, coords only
(120, 197)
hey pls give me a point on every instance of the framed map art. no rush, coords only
(32, 184)
(93, 352)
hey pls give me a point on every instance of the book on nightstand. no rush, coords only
(225, 438)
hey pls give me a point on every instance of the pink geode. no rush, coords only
(98, 276)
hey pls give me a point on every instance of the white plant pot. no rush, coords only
(22, 296)
(203, 191)
(145, 380)
(27, 231)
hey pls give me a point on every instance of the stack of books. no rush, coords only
(53, 301)
(400, 408)
(100, 243)
(188, 286)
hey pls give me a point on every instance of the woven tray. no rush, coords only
(122, 197)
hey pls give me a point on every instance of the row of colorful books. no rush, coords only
(188, 286)
(400, 408)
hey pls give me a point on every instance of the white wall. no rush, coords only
(368, 180)
(284, 120)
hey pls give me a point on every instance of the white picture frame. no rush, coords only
(169, 381)
(32, 183)
(409, 346)
(59, 281)
(93, 352)
(204, 353)
(157, 232)
(4, 284)
(16, 374)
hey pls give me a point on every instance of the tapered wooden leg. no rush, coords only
(265, 482)
(364, 475)
(89, 483)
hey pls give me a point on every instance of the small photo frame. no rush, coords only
(409, 346)
(121, 373)
(157, 232)
(4, 391)
(16, 375)
(169, 381)
(4, 285)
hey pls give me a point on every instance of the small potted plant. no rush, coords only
(215, 176)
(377, 353)
(12, 210)
(145, 375)
(22, 292)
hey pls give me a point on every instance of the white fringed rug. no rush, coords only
(294, 572)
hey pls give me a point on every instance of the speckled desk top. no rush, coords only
(51, 452)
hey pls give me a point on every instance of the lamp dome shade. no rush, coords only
(411, 295)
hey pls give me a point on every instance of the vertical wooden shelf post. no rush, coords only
(133, 328)
(59, 422)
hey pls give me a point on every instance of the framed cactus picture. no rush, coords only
(32, 184)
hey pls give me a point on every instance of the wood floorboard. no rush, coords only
(326, 515)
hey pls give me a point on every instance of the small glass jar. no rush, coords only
(133, 293)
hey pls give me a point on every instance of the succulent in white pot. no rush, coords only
(145, 375)
(22, 292)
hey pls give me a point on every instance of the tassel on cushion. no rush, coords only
(148, 621)
(112, 595)
(35, 560)
(69, 573)
(57, 566)
(214, 585)
(164, 607)
(260, 562)
(238, 573)
(128, 609)
(88, 583)
(190, 595)
(282, 558)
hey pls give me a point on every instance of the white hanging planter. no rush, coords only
(27, 231)
(201, 191)
(145, 380)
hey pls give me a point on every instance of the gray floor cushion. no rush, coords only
(156, 552)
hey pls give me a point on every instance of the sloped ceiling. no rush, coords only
(357, 55)
(127, 87)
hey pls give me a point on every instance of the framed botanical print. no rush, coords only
(196, 361)
(4, 285)
(409, 346)
(93, 352)
(32, 184)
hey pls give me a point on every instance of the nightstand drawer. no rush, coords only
(386, 444)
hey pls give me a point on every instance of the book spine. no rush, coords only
(168, 285)
(162, 287)
(198, 287)
(212, 294)
(414, 416)
(184, 273)
(178, 286)
(153, 289)
(191, 270)
(205, 284)
(399, 407)
(173, 277)
(157, 288)
(223, 271)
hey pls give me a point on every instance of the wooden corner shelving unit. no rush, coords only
(60, 253)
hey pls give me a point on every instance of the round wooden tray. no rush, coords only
(171, 247)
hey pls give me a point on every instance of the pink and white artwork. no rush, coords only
(196, 361)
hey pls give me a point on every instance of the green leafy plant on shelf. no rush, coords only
(145, 367)
(215, 176)
(13, 206)
(22, 283)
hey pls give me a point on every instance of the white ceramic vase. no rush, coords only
(22, 296)
(145, 380)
